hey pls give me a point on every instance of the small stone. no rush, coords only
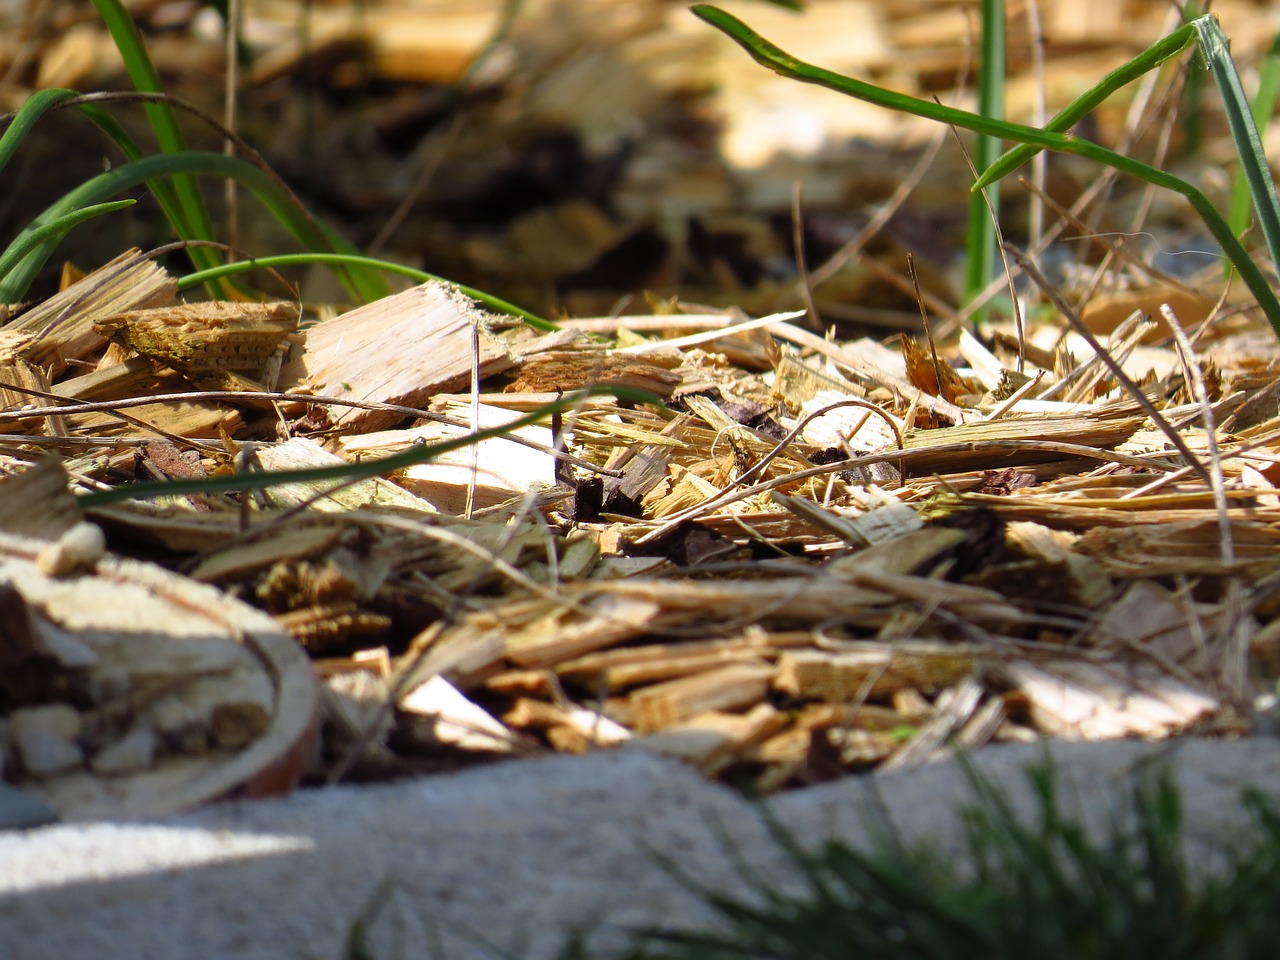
(22, 810)
(80, 548)
(58, 719)
(134, 752)
(44, 739)
(46, 754)
(237, 725)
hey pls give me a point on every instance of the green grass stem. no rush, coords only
(784, 64)
(1244, 132)
(363, 468)
(144, 170)
(192, 221)
(984, 212)
(1264, 102)
(53, 231)
(275, 261)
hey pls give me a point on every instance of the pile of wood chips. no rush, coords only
(815, 557)
(821, 552)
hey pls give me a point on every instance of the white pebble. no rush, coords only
(80, 548)
(134, 752)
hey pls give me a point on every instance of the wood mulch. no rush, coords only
(851, 543)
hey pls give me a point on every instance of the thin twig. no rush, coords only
(1117, 371)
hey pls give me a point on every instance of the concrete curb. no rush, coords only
(505, 860)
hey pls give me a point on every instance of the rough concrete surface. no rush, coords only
(504, 860)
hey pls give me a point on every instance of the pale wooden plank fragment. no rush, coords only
(549, 640)
(402, 349)
(63, 325)
(452, 718)
(878, 671)
(664, 704)
(1077, 700)
(495, 470)
(714, 740)
(328, 495)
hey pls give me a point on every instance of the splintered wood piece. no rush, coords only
(572, 633)
(322, 629)
(328, 495)
(454, 719)
(885, 519)
(627, 666)
(63, 326)
(729, 688)
(568, 729)
(37, 502)
(901, 554)
(1103, 428)
(403, 349)
(1077, 700)
(713, 741)
(294, 542)
(495, 470)
(878, 671)
(807, 599)
(1152, 618)
(591, 364)
(953, 710)
(16, 372)
(1104, 313)
(212, 341)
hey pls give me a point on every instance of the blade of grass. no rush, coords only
(193, 222)
(980, 239)
(782, 63)
(1264, 102)
(54, 230)
(363, 468)
(497, 304)
(1253, 159)
(1154, 56)
(21, 122)
(364, 283)
(146, 169)
(41, 102)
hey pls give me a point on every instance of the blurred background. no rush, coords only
(588, 157)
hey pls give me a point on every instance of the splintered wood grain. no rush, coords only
(62, 327)
(403, 349)
(852, 675)
(734, 687)
(205, 341)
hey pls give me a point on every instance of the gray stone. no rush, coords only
(510, 857)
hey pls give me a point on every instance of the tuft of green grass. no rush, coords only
(1021, 887)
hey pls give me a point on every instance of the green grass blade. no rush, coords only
(20, 123)
(984, 212)
(1151, 58)
(1264, 102)
(136, 172)
(1253, 160)
(193, 222)
(361, 469)
(41, 102)
(782, 63)
(54, 230)
(497, 304)
(365, 283)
